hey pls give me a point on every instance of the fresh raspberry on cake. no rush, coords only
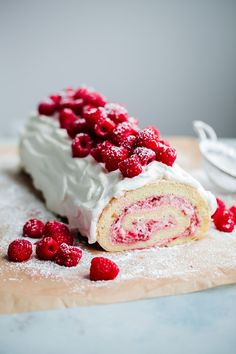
(112, 156)
(81, 145)
(33, 228)
(75, 105)
(131, 166)
(90, 97)
(94, 115)
(66, 117)
(76, 126)
(122, 131)
(47, 108)
(47, 248)
(56, 98)
(147, 138)
(128, 142)
(224, 221)
(165, 154)
(68, 256)
(97, 151)
(145, 155)
(104, 127)
(103, 269)
(58, 231)
(116, 112)
(19, 250)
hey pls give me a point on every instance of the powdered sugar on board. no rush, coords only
(213, 256)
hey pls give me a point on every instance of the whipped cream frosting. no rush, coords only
(80, 188)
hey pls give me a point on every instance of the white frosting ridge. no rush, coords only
(80, 188)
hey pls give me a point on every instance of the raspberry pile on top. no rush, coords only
(106, 131)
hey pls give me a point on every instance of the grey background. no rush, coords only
(169, 61)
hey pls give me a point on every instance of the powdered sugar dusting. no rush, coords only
(19, 202)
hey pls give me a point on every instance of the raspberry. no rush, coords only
(58, 231)
(94, 115)
(145, 155)
(113, 155)
(131, 167)
(86, 110)
(76, 126)
(147, 138)
(104, 127)
(103, 269)
(116, 112)
(97, 151)
(90, 97)
(233, 211)
(82, 92)
(56, 99)
(81, 145)
(47, 108)
(74, 105)
(68, 256)
(154, 130)
(47, 248)
(224, 221)
(220, 207)
(165, 154)
(66, 117)
(19, 250)
(122, 131)
(33, 228)
(128, 142)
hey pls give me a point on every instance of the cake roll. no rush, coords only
(117, 184)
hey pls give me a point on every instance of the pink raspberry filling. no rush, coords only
(143, 227)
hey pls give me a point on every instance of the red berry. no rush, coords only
(90, 97)
(58, 231)
(165, 154)
(19, 250)
(47, 108)
(82, 92)
(33, 228)
(68, 256)
(97, 151)
(103, 269)
(116, 112)
(81, 145)
(94, 115)
(113, 155)
(128, 142)
(56, 99)
(121, 132)
(154, 130)
(220, 207)
(145, 155)
(131, 167)
(76, 126)
(147, 138)
(75, 105)
(66, 117)
(104, 127)
(47, 248)
(233, 211)
(224, 221)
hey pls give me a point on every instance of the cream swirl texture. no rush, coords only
(80, 188)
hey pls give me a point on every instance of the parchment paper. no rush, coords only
(38, 285)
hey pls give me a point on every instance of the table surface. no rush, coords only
(203, 322)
